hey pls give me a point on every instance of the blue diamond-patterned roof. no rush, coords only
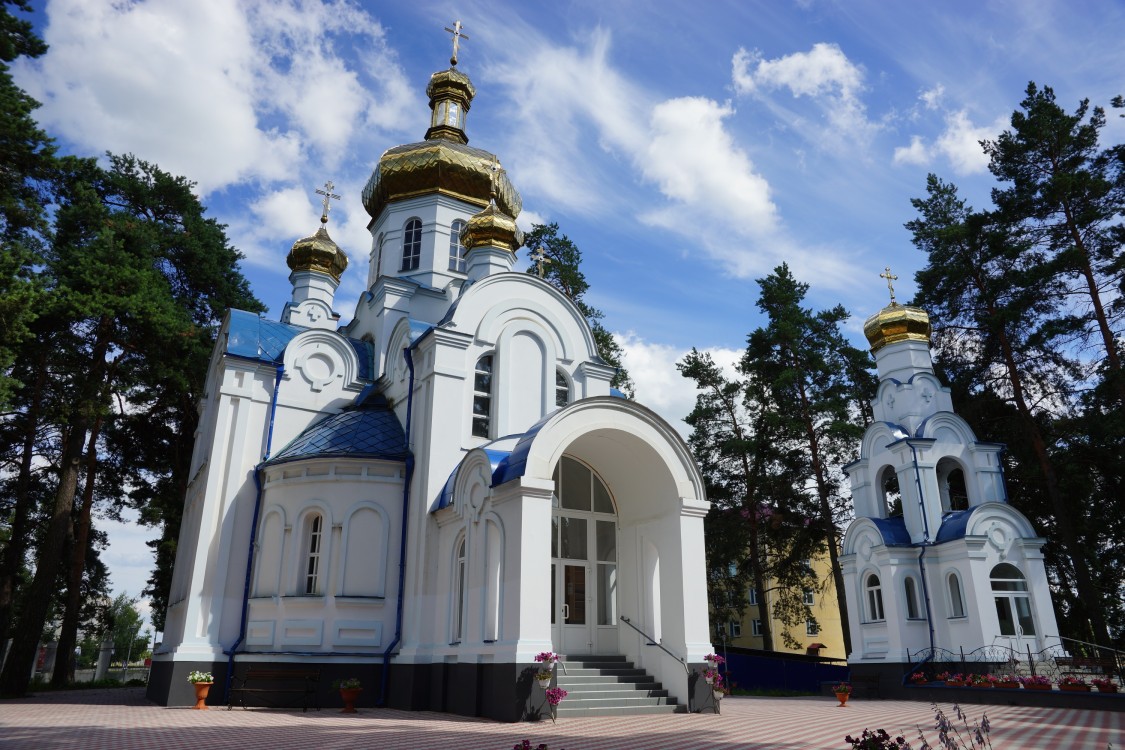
(251, 336)
(372, 431)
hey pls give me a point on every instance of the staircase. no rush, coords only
(610, 686)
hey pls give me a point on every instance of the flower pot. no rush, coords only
(1009, 685)
(843, 698)
(1075, 688)
(201, 690)
(1107, 689)
(1033, 686)
(708, 680)
(545, 683)
(718, 694)
(349, 696)
(955, 683)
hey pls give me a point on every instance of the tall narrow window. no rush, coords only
(562, 389)
(754, 597)
(482, 397)
(874, 599)
(735, 629)
(1013, 604)
(456, 249)
(459, 594)
(956, 603)
(411, 245)
(892, 497)
(312, 567)
(756, 627)
(810, 597)
(911, 591)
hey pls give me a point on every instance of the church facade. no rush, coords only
(447, 485)
(936, 558)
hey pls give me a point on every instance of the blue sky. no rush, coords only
(687, 148)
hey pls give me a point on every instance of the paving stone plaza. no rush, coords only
(124, 720)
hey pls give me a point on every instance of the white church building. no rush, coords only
(435, 492)
(936, 557)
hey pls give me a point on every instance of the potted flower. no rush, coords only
(349, 693)
(712, 676)
(543, 676)
(842, 690)
(1009, 681)
(956, 679)
(919, 678)
(547, 659)
(718, 691)
(980, 680)
(714, 660)
(555, 696)
(1074, 684)
(202, 682)
(1035, 682)
(1104, 686)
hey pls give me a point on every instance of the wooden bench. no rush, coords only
(303, 682)
(1086, 665)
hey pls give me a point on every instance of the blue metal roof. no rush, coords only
(893, 531)
(953, 525)
(445, 497)
(254, 337)
(369, 432)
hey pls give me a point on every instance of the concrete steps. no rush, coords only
(607, 685)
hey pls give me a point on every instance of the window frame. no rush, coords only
(311, 577)
(910, 598)
(411, 245)
(482, 419)
(812, 627)
(456, 249)
(873, 598)
(756, 627)
(956, 598)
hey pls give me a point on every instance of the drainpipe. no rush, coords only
(254, 531)
(925, 543)
(402, 540)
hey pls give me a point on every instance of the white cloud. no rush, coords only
(222, 92)
(916, 153)
(931, 98)
(958, 144)
(825, 76)
(660, 386)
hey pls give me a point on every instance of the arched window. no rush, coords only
(459, 594)
(456, 249)
(910, 587)
(482, 397)
(562, 389)
(951, 484)
(892, 498)
(313, 542)
(411, 245)
(956, 601)
(874, 599)
(1013, 605)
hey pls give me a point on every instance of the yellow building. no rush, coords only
(821, 635)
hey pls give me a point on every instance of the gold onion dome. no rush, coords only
(318, 253)
(444, 162)
(895, 323)
(491, 227)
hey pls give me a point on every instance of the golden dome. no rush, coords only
(491, 227)
(444, 163)
(318, 253)
(897, 322)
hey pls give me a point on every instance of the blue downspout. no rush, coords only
(402, 540)
(925, 543)
(253, 532)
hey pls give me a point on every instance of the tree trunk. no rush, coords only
(20, 532)
(69, 635)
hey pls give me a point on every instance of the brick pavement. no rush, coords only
(124, 720)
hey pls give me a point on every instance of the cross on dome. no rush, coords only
(458, 35)
(539, 258)
(494, 170)
(328, 194)
(890, 277)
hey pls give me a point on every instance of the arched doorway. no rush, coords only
(583, 561)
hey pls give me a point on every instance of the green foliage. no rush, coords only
(122, 619)
(1029, 320)
(563, 271)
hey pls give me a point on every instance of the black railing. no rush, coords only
(653, 642)
(1052, 662)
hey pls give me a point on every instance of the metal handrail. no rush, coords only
(653, 642)
(1115, 652)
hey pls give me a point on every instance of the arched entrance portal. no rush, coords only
(583, 561)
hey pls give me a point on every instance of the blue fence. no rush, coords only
(755, 670)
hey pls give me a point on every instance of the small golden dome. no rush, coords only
(451, 95)
(897, 322)
(491, 227)
(318, 253)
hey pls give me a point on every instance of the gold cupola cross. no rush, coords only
(458, 35)
(890, 277)
(328, 194)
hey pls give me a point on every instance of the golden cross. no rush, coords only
(494, 170)
(327, 193)
(458, 35)
(890, 277)
(539, 258)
